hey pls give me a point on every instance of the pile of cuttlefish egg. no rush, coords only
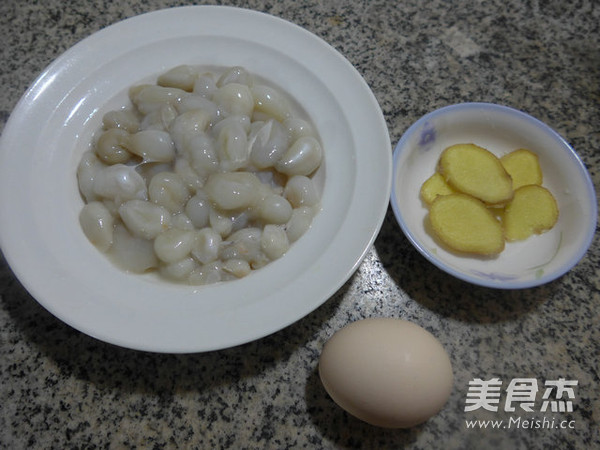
(207, 177)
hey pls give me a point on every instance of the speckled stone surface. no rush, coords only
(62, 389)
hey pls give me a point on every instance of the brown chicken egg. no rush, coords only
(387, 372)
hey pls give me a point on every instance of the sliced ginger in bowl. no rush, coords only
(465, 224)
(532, 210)
(473, 170)
(523, 166)
(478, 201)
(433, 187)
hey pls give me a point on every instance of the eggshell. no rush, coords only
(387, 372)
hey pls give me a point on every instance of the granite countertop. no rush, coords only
(62, 389)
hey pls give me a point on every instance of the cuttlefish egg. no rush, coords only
(387, 372)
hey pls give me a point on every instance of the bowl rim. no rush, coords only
(502, 109)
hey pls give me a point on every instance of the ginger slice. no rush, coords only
(432, 187)
(473, 170)
(466, 225)
(532, 210)
(523, 166)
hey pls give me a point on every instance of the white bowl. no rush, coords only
(500, 129)
(53, 125)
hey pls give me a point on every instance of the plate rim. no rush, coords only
(44, 80)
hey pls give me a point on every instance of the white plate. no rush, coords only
(534, 261)
(53, 124)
